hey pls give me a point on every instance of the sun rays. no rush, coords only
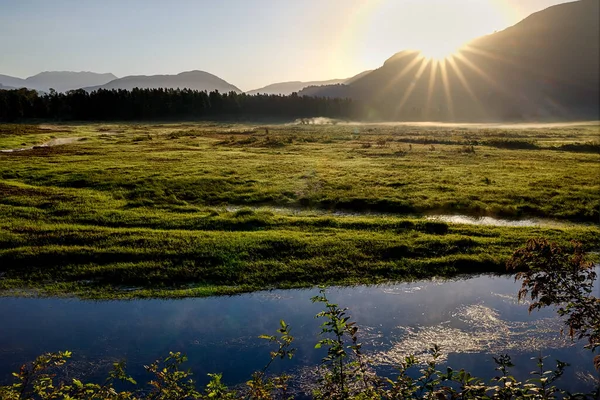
(430, 88)
(446, 72)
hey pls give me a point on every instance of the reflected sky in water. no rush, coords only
(472, 319)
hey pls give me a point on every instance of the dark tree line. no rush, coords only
(164, 104)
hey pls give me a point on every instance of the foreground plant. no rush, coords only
(36, 381)
(346, 369)
(554, 276)
(261, 386)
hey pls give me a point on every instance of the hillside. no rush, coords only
(196, 80)
(544, 67)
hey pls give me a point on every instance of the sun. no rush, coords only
(443, 47)
(437, 28)
(439, 51)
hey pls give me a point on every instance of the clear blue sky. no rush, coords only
(249, 43)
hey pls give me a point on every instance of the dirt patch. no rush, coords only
(10, 190)
(48, 194)
(61, 141)
(54, 128)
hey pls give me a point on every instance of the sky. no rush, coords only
(249, 43)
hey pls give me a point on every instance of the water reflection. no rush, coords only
(475, 329)
(490, 221)
(447, 218)
(472, 319)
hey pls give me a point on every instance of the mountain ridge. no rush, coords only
(194, 80)
(287, 88)
(61, 81)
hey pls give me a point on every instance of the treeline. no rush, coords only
(164, 104)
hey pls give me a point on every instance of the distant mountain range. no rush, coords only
(61, 81)
(195, 80)
(287, 88)
(546, 66)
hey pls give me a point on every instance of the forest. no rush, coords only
(156, 104)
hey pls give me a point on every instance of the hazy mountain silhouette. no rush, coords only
(196, 80)
(287, 88)
(545, 66)
(61, 81)
(2, 87)
(12, 82)
(337, 90)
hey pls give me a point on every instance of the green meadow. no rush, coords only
(195, 209)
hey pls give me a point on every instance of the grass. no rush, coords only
(169, 210)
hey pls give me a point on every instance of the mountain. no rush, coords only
(61, 81)
(11, 82)
(287, 88)
(196, 80)
(546, 66)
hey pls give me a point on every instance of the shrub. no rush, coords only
(512, 144)
(589, 147)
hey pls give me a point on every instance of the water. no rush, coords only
(472, 319)
(447, 218)
(490, 221)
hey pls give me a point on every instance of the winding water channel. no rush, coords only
(472, 319)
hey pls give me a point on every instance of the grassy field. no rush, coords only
(129, 210)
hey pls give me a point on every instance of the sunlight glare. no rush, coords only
(436, 28)
(439, 51)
